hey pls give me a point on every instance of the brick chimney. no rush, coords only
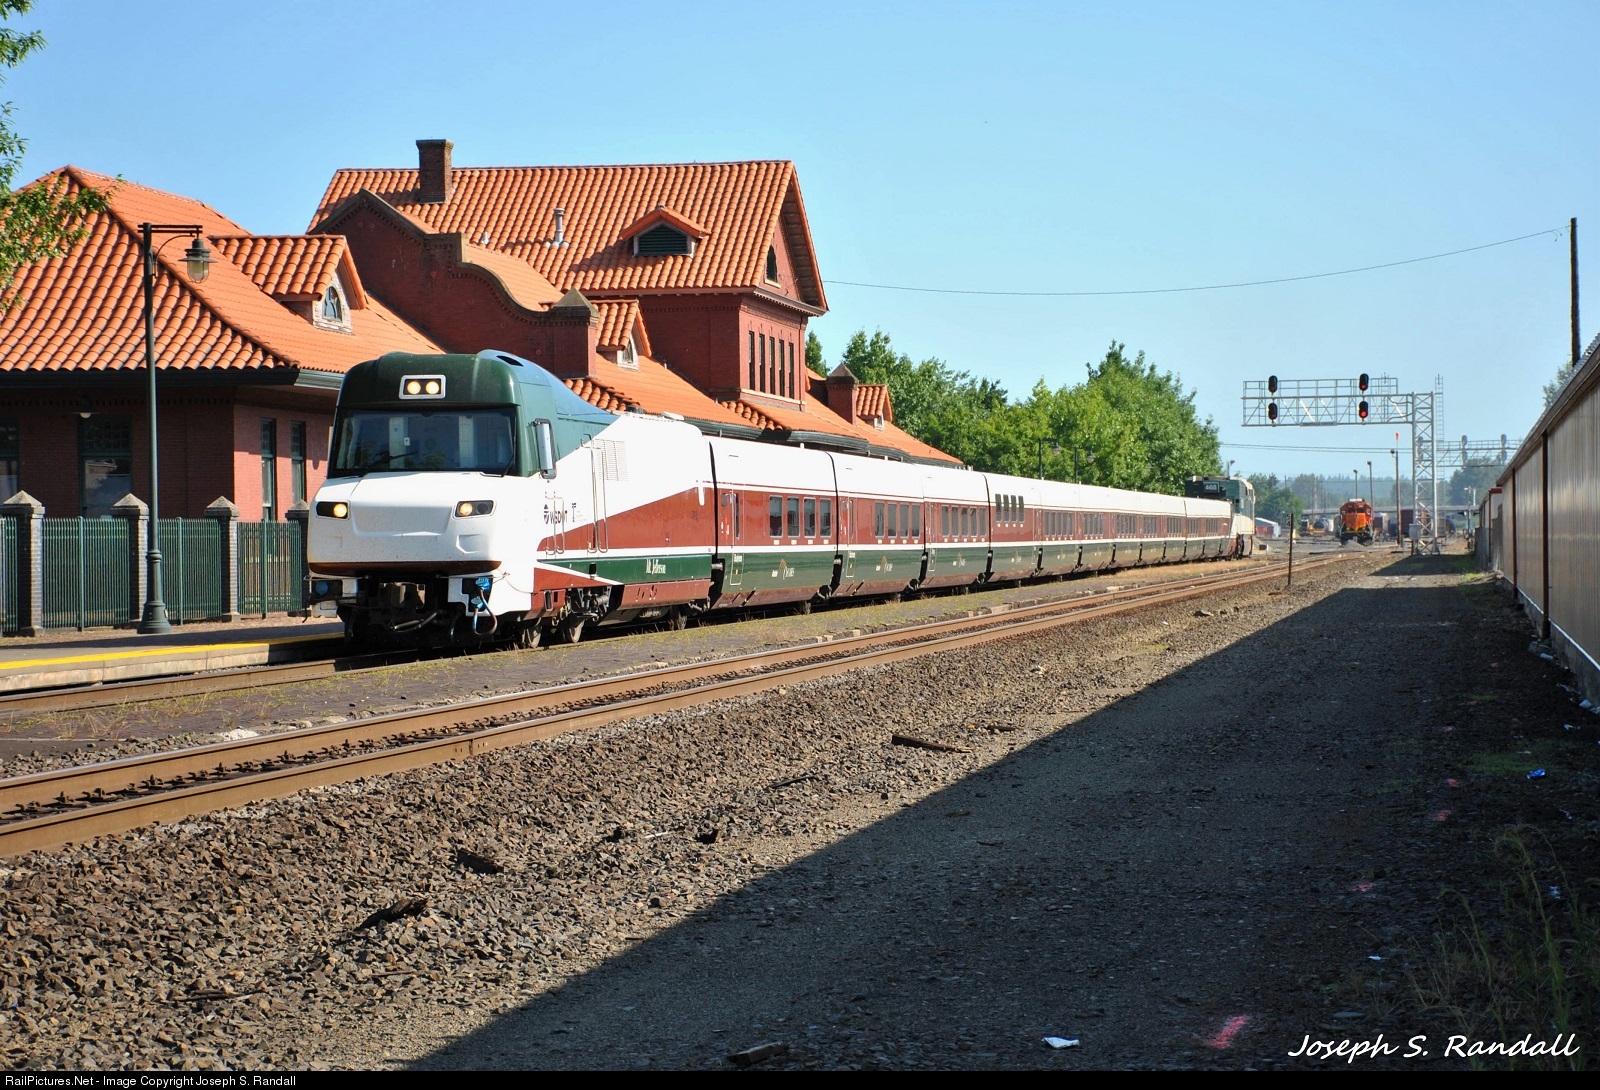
(433, 175)
(842, 392)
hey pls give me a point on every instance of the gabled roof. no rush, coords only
(873, 401)
(737, 206)
(620, 318)
(663, 214)
(84, 311)
(292, 267)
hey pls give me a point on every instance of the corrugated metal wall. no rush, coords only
(1574, 452)
(1567, 435)
(1527, 558)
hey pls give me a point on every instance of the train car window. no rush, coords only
(877, 520)
(999, 506)
(827, 518)
(794, 516)
(905, 520)
(738, 527)
(983, 523)
(811, 517)
(916, 522)
(775, 517)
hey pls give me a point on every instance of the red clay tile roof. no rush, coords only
(294, 267)
(84, 311)
(873, 401)
(739, 206)
(525, 286)
(654, 389)
(619, 318)
(813, 414)
(597, 395)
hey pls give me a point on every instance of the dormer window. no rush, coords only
(772, 264)
(628, 354)
(332, 306)
(662, 239)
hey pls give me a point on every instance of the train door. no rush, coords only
(847, 525)
(600, 470)
(731, 532)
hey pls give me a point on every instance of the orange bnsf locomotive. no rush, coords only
(473, 498)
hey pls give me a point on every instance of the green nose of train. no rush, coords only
(550, 420)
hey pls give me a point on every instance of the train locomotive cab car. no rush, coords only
(467, 500)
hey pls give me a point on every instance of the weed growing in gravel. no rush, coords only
(1532, 968)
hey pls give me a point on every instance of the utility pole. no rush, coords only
(1396, 453)
(1572, 238)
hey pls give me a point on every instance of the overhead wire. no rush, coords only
(1554, 231)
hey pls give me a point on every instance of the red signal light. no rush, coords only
(1272, 384)
(1361, 409)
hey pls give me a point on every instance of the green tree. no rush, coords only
(814, 355)
(1136, 424)
(1476, 474)
(1277, 501)
(42, 220)
(1553, 388)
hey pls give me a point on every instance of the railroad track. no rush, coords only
(71, 805)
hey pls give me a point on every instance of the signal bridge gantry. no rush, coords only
(1366, 399)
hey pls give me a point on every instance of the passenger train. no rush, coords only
(477, 498)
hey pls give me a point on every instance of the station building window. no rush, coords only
(297, 459)
(105, 463)
(10, 457)
(752, 383)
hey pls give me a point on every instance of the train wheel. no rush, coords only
(679, 618)
(572, 630)
(527, 637)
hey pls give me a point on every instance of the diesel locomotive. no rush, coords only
(475, 498)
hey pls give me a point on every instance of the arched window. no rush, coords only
(332, 305)
(772, 263)
(628, 354)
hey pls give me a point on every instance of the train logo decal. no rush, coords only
(884, 565)
(783, 571)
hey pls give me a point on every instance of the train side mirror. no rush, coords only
(544, 438)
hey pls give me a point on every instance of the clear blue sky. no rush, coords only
(1016, 147)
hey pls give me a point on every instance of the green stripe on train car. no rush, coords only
(876, 563)
(787, 568)
(1010, 558)
(638, 567)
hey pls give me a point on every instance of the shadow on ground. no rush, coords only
(1200, 873)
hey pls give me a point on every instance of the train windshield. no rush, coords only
(405, 440)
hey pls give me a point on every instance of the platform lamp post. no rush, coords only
(153, 620)
(1396, 453)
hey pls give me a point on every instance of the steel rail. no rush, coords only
(84, 801)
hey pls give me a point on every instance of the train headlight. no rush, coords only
(335, 509)
(412, 386)
(468, 508)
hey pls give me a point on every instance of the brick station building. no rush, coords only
(248, 363)
(682, 288)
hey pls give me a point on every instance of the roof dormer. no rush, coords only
(661, 232)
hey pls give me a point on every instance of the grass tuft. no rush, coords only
(1531, 967)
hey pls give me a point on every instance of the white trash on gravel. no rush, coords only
(1061, 1042)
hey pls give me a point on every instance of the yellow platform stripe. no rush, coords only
(150, 652)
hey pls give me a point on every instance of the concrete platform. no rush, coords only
(90, 658)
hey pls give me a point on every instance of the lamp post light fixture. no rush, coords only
(1372, 497)
(153, 619)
